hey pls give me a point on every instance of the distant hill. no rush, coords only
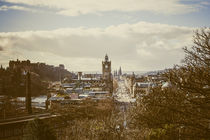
(154, 72)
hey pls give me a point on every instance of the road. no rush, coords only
(122, 94)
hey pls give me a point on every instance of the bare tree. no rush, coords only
(181, 111)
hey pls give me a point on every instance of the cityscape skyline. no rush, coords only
(104, 69)
(138, 36)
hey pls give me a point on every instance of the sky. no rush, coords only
(138, 35)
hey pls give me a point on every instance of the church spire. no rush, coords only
(120, 71)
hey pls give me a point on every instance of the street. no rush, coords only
(122, 94)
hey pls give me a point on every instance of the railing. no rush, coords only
(23, 117)
(15, 127)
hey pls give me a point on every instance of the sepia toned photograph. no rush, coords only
(104, 69)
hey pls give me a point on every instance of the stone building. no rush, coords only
(106, 69)
(47, 72)
(106, 74)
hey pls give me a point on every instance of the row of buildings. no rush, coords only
(64, 86)
(139, 86)
(81, 86)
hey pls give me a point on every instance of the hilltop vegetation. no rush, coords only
(12, 79)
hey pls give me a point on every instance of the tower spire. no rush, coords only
(106, 58)
(120, 71)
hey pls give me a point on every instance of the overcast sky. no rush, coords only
(138, 35)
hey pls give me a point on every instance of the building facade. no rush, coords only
(95, 82)
(106, 69)
(107, 74)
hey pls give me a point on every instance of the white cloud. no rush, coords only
(78, 7)
(205, 3)
(15, 7)
(140, 46)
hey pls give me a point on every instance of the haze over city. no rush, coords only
(139, 35)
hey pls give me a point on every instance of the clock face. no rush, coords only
(106, 66)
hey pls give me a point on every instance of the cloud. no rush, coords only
(205, 3)
(140, 46)
(78, 7)
(15, 7)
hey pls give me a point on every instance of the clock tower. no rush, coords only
(106, 69)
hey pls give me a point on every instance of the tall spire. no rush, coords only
(106, 58)
(120, 71)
